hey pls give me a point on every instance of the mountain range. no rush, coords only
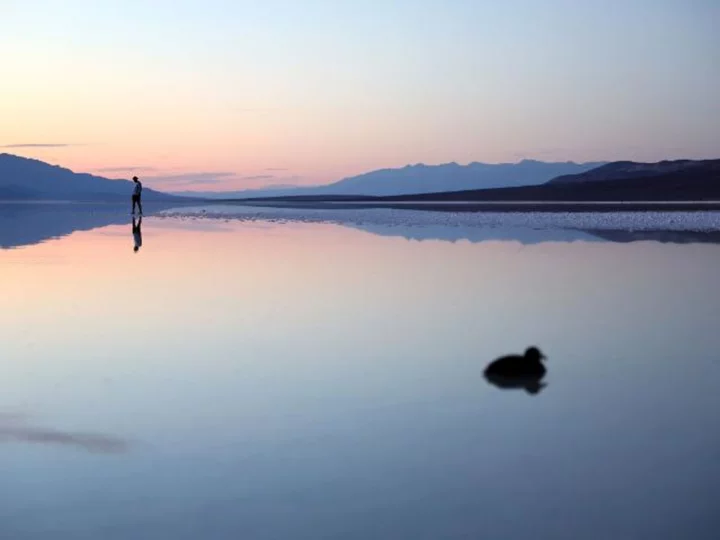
(680, 180)
(420, 178)
(454, 177)
(30, 179)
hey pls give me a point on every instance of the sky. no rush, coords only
(213, 95)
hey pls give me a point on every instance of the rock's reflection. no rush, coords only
(15, 428)
(532, 385)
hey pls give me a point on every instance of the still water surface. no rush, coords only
(275, 381)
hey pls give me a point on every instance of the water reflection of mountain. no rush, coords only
(451, 233)
(669, 237)
(23, 224)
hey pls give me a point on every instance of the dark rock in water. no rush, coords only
(518, 371)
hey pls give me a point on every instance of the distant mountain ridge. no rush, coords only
(625, 170)
(420, 178)
(31, 179)
(679, 180)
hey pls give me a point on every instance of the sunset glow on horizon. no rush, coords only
(218, 95)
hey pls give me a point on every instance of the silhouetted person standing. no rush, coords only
(137, 233)
(136, 196)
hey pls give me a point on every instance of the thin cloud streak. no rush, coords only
(38, 145)
(189, 179)
(126, 169)
(258, 177)
(245, 184)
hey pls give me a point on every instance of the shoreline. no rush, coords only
(450, 206)
(490, 206)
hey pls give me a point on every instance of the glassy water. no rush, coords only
(308, 380)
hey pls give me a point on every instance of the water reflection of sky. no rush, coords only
(24, 224)
(312, 380)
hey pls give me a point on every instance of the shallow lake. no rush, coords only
(273, 379)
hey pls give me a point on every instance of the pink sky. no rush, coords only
(217, 95)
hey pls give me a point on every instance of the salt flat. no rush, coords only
(631, 221)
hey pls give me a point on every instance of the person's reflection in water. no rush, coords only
(137, 233)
